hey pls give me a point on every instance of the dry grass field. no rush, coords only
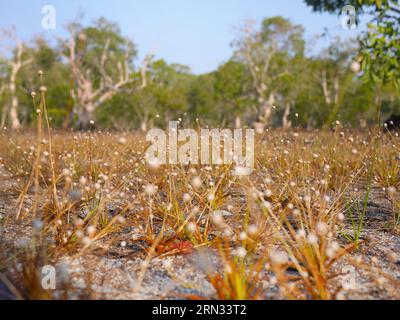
(317, 219)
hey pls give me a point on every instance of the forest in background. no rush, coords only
(270, 80)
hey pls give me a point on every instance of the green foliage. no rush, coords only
(380, 45)
(236, 90)
(231, 89)
(165, 97)
(92, 41)
(337, 5)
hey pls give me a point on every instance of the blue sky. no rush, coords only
(196, 33)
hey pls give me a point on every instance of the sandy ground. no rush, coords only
(118, 274)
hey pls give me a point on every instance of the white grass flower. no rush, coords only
(91, 230)
(267, 205)
(241, 171)
(217, 218)
(312, 239)
(196, 182)
(195, 210)
(301, 234)
(167, 263)
(86, 241)
(191, 227)
(322, 228)
(122, 140)
(121, 219)
(243, 236)
(252, 230)
(150, 189)
(228, 233)
(210, 197)
(332, 249)
(340, 296)
(340, 216)
(391, 190)
(268, 193)
(186, 197)
(279, 257)
(241, 252)
(307, 199)
(228, 269)
(154, 163)
(82, 180)
(66, 172)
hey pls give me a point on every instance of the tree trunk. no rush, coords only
(143, 126)
(15, 68)
(259, 127)
(84, 117)
(144, 120)
(267, 108)
(4, 114)
(13, 112)
(325, 89)
(287, 124)
(378, 103)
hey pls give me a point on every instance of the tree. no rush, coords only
(201, 99)
(57, 78)
(291, 85)
(164, 97)
(261, 52)
(100, 60)
(380, 45)
(231, 91)
(335, 74)
(19, 60)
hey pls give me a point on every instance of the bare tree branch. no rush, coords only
(90, 96)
